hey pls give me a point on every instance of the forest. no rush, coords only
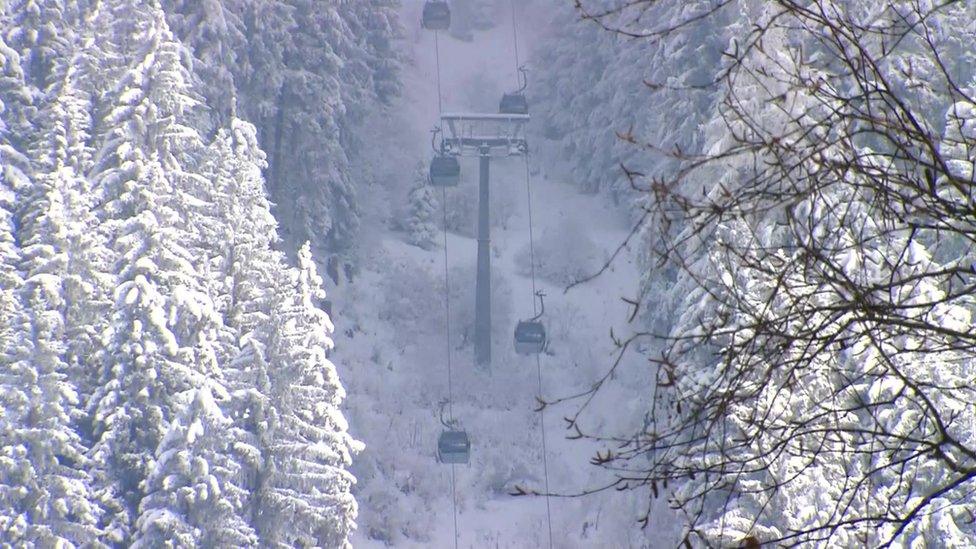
(487, 273)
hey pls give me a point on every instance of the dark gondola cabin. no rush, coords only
(530, 337)
(437, 16)
(445, 171)
(513, 103)
(453, 447)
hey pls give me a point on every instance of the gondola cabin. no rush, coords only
(530, 337)
(437, 16)
(453, 447)
(513, 103)
(445, 171)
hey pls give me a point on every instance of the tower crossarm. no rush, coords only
(467, 134)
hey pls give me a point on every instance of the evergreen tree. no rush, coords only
(142, 417)
(420, 222)
(16, 472)
(304, 494)
(18, 112)
(160, 340)
(144, 363)
(261, 74)
(42, 32)
(214, 31)
(312, 179)
(312, 73)
(813, 394)
(247, 265)
(59, 259)
(246, 256)
(374, 26)
(192, 500)
(62, 152)
(52, 491)
(586, 121)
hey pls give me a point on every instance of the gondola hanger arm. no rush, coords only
(542, 305)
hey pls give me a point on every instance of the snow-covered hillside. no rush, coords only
(391, 343)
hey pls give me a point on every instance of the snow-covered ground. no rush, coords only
(392, 350)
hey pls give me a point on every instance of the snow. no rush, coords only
(390, 351)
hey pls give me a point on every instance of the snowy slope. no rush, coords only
(391, 345)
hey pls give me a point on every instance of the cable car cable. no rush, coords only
(447, 307)
(515, 40)
(528, 201)
(450, 375)
(447, 303)
(437, 56)
(538, 362)
(535, 311)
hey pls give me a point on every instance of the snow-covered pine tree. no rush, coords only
(54, 483)
(214, 31)
(19, 111)
(309, 165)
(374, 26)
(10, 277)
(144, 365)
(63, 154)
(778, 326)
(191, 499)
(421, 218)
(16, 472)
(62, 297)
(246, 268)
(160, 340)
(828, 457)
(246, 260)
(258, 297)
(312, 72)
(42, 32)
(15, 469)
(259, 76)
(304, 490)
(586, 120)
(369, 81)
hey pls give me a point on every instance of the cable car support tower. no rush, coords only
(484, 136)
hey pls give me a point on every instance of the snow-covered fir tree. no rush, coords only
(372, 70)
(141, 284)
(214, 31)
(304, 494)
(42, 32)
(421, 221)
(53, 480)
(245, 230)
(777, 275)
(245, 285)
(192, 499)
(309, 74)
(19, 109)
(667, 112)
(61, 295)
(159, 343)
(63, 154)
